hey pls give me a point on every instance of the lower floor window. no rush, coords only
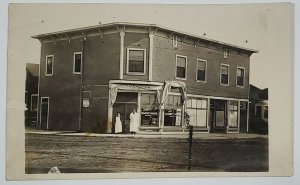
(149, 117)
(197, 110)
(149, 110)
(233, 114)
(173, 111)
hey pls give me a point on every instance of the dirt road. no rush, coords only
(80, 154)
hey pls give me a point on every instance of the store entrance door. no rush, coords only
(125, 104)
(125, 109)
(218, 115)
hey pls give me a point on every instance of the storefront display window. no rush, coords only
(149, 110)
(197, 109)
(233, 114)
(173, 111)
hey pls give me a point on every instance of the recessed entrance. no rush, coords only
(218, 115)
(44, 114)
(125, 103)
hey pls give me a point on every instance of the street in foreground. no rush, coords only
(86, 154)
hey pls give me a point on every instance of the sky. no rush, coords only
(248, 25)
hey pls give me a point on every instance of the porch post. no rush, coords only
(110, 114)
(238, 116)
(161, 120)
(227, 113)
(248, 109)
(208, 114)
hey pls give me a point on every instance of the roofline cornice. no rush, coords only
(127, 24)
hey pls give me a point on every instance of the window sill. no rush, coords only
(224, 84)
(178, 78)
(77, 73)
(49, 75)
(136, 74)
(200, 81)
(240, 86)
(150, 127)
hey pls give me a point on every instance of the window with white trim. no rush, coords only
(181, 66)
(34, 102)
(136, 61)
(240, 76)
(77, 63)
(174, 40)
(173, 111)
(225, 54)
(201, 70)
(49, 65)
(197, 110)
(233, 114)
(149, 110)
(224, 76)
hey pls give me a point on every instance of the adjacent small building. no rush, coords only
(259, 109)
(31, 94)
(90, 74)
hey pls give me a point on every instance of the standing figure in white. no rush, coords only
(134, 122)
(118, 124)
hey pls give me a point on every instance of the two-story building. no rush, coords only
(90, 74)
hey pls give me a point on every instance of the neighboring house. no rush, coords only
(90, 74)
(258, 109)
(31, 94)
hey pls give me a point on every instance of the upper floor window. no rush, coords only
(181, 66)
(201, 70)
(34, 102)
(240, 76)
(225, 54)
(77, 63)
(224, 77)
(136, 61)
(174, 40)
(49, 65)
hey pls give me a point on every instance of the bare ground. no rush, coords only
(85, 154)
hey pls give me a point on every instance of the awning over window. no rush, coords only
(176, 84)
(115, 87)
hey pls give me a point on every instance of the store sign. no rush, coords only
(85, 102)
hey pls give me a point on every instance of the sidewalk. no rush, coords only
(212, 136)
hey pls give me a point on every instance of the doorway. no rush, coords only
(218, 115)
(44, 114)
(125, 103)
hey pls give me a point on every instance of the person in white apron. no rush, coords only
(134, 122)
(118, 124)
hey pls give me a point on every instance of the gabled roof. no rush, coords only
(33, 68)
(257, 94)
(155, 26)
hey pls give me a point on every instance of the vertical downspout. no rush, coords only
(81, 83)
(122, 34)
(151, 36)
(38, 124)
(248, 104)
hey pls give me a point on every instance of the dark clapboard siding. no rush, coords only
(164, 66)
(101, 64)
(140, 41)
(63, 88)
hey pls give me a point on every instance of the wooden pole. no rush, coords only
(190, 147)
